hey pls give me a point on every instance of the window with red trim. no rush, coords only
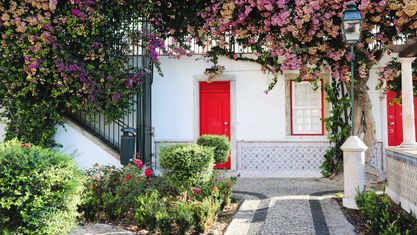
(306, 108)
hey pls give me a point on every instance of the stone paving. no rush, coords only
(288, 206)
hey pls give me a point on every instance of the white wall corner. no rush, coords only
(86, 148)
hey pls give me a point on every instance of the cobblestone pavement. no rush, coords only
(98, 229)
(288, 206)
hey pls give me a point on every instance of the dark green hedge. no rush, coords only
(220, 145)
(40, 190)
(187, 165)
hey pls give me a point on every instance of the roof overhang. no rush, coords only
(409, 49)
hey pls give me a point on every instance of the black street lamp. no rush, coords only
(352, 28)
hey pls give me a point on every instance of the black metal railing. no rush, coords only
(138, 116)
(197, 49)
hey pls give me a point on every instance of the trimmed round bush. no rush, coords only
(219, 143)
(187, 165)
(40, 190)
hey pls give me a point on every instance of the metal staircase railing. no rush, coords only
(138, 116)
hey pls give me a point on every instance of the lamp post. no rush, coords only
(351, 28)
(353, 149)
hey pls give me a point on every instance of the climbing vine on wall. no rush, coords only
(338, 127)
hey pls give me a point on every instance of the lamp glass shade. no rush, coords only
(352, 24)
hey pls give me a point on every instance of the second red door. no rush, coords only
(395, 122)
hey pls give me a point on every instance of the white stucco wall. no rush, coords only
(86, 149)
(259, 116)
(377, 101)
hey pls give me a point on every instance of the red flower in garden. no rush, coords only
(148, 172)
(197, 190)
(215, 189)
(138, 163)
(128, 177)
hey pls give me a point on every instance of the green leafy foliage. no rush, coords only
(219, 143)
(62, 57)
(164, 213)
(152, 211)
(380, 216)
(187, 165)
(40, 190)
(111, 192)
(127, 195)
(183, 215)
(204, 214)
(338, 127)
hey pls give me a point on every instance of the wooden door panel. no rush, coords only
(215, 111)
(395, 122)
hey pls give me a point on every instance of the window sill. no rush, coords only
(295, 138)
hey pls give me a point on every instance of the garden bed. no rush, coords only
(400, 218)
(129, 227)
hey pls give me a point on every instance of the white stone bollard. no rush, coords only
(354, 170)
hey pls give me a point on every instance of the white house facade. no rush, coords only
(278, 134)
(275, 134)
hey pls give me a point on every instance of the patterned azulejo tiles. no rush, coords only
(409, 160)
(402, 175)
(280, 156)
(289, 156)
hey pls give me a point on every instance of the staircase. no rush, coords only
(137, 117)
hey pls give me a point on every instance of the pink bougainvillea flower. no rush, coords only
(75, 12)
(128, 177)
(148, 172)
(138, 163)
(197, 190)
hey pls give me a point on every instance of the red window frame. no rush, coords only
(322, 110)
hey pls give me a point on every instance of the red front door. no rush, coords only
(215, 111)
(395, 122)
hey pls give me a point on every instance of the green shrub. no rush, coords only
(148, 206)
(40, 190)
(205, 214)
(157, 212)
(183, 215)
(225, 188)
(219, 143)
(111, 192)
(377, 212)
(187, 165)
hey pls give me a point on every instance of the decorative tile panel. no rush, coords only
(280, 156)
(303, 158)
(377, 157)
(402, 175)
